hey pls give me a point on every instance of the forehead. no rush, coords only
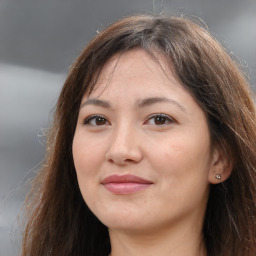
(135, 64)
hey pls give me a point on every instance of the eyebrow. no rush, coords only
(140, 103)
(96, 102)
(150, 101)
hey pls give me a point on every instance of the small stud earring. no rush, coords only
(218, 177)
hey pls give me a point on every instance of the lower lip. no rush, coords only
(126, 188)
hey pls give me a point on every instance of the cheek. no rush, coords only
(86, 153)
(182, 168)
(87, 160)
(182, 160)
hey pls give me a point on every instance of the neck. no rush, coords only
(181, 242)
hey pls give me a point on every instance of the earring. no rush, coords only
(218, 177)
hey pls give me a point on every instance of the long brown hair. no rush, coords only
(60, 222)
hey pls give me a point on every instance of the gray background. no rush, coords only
(38, 42)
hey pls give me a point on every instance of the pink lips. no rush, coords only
(125, 184)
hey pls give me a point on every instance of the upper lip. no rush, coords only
(128, 178)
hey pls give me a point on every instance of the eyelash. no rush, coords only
(164, 117)
(94, 117)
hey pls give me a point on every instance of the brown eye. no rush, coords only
(159, 119)
(100, 121)
(96, 121)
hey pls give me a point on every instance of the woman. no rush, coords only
(152, 150)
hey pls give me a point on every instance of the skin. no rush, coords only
(172, 151)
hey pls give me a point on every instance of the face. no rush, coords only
(142, 148)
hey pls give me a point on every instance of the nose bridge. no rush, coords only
(124, 145)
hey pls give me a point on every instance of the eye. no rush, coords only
(96, 120)
(159, 119)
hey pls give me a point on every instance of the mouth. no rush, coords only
(125, 184)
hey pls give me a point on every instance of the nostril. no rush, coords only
(123, 159)
(129, 160)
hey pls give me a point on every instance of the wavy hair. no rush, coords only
(59, 221)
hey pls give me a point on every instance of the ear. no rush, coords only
(221, 166)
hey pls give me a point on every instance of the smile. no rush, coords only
(125, 184)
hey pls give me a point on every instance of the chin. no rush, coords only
(123, 220)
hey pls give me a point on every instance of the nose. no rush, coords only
(124, 146)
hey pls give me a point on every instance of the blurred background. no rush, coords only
(39, 40)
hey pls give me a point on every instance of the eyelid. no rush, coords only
(91, 117)
(170, 119)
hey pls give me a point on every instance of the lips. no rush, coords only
(125, 184)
